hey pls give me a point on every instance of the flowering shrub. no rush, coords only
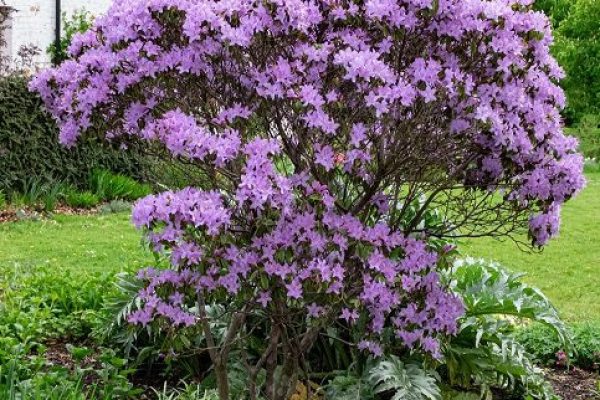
(327, 131)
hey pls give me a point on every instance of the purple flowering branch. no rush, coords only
(325, 134)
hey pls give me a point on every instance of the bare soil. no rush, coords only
(575, 384)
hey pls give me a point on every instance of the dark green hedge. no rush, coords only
(29, 147)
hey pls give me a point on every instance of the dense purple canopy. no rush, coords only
(326, 130)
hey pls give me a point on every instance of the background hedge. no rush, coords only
(29, 147)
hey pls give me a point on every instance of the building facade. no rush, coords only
(33, 22)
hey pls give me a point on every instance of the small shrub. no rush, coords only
(115, 206)
(33, 191)
(85, 199)
(543, 344)
(587, 345)
(51, 196)
(540, 341)
(306, 220)
(109, 186)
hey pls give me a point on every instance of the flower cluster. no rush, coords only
(320, 123)
(309, 257)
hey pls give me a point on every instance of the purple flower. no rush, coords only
(310, 153)
(349, 316)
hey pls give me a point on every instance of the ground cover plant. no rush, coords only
(55, 275)
(345, 147)
(47, 319)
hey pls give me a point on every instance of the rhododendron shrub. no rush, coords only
(327, 131)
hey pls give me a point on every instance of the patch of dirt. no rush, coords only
(12, 215)
(76, 211)
(7, 216)
(149, 381)
(575, 384)
(58, 354)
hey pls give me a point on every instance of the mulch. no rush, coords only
(575, 384)
(12, 215)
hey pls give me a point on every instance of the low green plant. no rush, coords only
(350, 386)
(104, 382)
(109, 186)
(543, 344)
(17, 200)
(388, 377)
(115, 206)
(52, 196)
(84, 199)
(187, 392)
(37, 195)
(484, 354)
(41, 305)
(587, 345)
(406, 381)
(32, 192)
(53, 385)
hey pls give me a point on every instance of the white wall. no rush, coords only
(34, 21)
(6, 49)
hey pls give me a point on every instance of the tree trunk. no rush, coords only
(222, 382)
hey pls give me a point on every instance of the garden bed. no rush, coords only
(575, 384)
(13, 215)
(569, 384)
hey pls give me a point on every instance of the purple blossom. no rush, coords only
(300, 148)
(349, 315)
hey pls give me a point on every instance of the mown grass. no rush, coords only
(568, 269)
(94, 243)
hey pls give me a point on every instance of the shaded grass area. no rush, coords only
(93, 243)
(568, 269)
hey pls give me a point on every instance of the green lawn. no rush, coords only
(106, 242)
(568, 269)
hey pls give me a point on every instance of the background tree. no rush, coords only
(576, 47)
(578, 51)
(79, 22)
(556, 10)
